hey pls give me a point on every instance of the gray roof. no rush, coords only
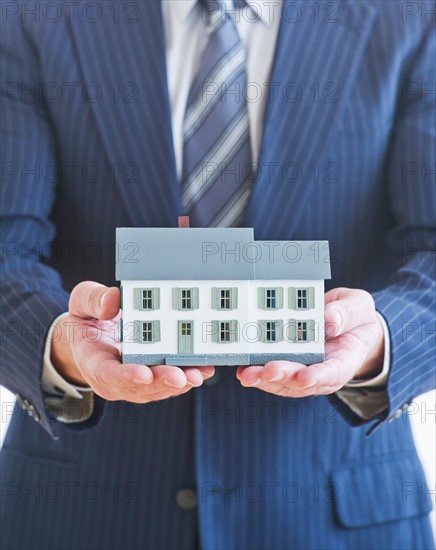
(293, 260)
(215, 254)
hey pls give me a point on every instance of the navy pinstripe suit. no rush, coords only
(86, 140)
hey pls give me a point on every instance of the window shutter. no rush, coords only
(156, 331)
(311, 331)
(215, 298)
(234, 331)
(261, 298)
(279, 331)
(279, 298)
(176, 298)
(311, 297)
(137, 298)
(194, 298)
(215, 331)
(137, 332)
(156, 298)
(121, 330)
(292, 330)
(234, 298)
(292, 298)
(262, 331)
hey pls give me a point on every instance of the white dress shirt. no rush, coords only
(186, 38)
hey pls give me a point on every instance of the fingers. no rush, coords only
(357, 335)
(272, 376)
(347, 309)
(341, 364)
(96, 353)
(90, 300)
(295, 380)
(289, 379)
(100, 364)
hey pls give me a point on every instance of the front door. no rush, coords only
(186, 336)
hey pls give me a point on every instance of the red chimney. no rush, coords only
(183, 221)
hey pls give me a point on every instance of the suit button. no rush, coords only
(24, 404)
(186, 499)
(33, 413)
(213, 380)
(29, 408)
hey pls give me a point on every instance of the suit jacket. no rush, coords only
(87, 147)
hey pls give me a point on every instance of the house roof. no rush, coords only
(215, 254)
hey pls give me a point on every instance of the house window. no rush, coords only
(185, 298)
(270, 298)
(146, 299)
(225, 332)
(224, 298)
(302, 331)
(302, 298)
(146, 332)
(186, 329)
(270, 331)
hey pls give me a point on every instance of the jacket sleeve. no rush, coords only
(31, 292)
(408, 304)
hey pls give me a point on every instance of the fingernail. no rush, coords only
(311, 385)
(337, 318)
(278, 377)
(101, 301)
(191, 385)
(206, 373)
(255, 383)
(165, 381)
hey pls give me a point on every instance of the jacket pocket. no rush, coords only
(378, 490)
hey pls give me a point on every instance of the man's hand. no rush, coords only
(354, 347)
(86, 351)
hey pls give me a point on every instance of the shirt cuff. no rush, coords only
(381, 379)
(69, 403)
(52, 382)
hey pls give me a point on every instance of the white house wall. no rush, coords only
(247, 314)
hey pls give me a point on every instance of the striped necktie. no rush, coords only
(217, 164)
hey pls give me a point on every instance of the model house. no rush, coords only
(216, 296)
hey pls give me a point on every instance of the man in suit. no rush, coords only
(103, 127)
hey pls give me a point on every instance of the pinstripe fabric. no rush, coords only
(341, 150)
(217, 150)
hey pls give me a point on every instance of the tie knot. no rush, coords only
(239, 4)
(218, 8)
(213, 5)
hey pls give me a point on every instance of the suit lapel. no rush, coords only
(314, 71)
(125, 54)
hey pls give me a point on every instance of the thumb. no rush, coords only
(93, 300)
